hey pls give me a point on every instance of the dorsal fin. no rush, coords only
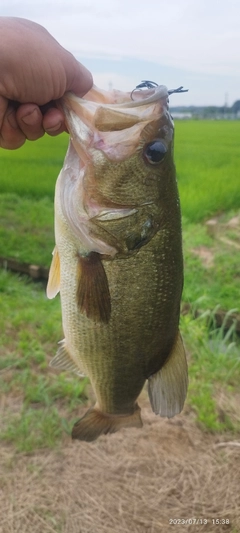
(93, 296)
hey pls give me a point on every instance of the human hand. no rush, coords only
(35, 71)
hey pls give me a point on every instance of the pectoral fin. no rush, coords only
(93, 294)
(53, 285)
(167, 389)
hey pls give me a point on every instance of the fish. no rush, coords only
(118, 261)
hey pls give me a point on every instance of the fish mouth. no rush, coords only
(112, 122)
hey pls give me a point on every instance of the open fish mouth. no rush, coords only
(112, 122)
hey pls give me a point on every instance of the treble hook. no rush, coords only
(178, 90)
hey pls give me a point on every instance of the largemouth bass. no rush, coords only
(118, 257)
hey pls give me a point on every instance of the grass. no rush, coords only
(215, 283)
(214, 366)
(40, 403)
(32, 170)
(26, 228)
(207, 160)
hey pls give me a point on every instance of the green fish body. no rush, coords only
(118, 257)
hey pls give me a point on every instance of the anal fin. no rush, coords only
(95, 423)
(93, 294)
(63, 360)
(53, 285)
(167, 389)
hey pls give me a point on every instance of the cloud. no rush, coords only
(199, 35)
(194, 36)
(181, 34)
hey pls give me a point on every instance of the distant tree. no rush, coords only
(236, 106)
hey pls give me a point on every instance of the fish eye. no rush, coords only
(155, 152)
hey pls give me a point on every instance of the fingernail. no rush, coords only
(54, 128)
(31, 118)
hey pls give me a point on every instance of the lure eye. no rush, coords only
(155, 152)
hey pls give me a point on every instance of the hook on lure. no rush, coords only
(147, 84)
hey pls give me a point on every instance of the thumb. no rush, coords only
(81, 81)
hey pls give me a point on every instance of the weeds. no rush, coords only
(209, 283)
(214, 366)
(32, 429)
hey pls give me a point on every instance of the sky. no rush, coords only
(194, 43)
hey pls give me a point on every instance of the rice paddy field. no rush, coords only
(173, 475)
(207, 159)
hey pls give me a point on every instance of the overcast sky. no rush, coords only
(195, 43)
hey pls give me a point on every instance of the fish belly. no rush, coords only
(145, 291)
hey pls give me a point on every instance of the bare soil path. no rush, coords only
(152, 480)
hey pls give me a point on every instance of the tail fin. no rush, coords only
(95, 423)
(167, 389)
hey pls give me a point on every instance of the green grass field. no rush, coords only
(40, 404)
(32, 170)
(207, 159)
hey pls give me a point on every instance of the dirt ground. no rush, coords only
(136, 481)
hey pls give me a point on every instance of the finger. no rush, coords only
(11, 137)
(53, 121)
(3, 109)
(29, 119)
